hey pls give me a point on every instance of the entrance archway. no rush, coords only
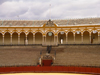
(86, 39)
(38, 38)
(7, 38)
(15, 38)
(1, 39)
(78, 37)
(22, 38)
(30, 38)
(70, 38)
(61, 38)
(49, 38)
(94, 37)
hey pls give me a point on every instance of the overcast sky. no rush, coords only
(41, 9)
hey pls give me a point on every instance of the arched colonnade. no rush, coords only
(50, 38)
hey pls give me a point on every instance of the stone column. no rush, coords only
(3, 40)
(18, 39)
(26, 41)
(66, 39)
(57, 40)
(98, 38)
(74, 38)
(43, 40)
(90, 37)
(82, 38)
(11, 39)
(33, 39)
(54, 39)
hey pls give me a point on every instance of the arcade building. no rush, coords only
(50, 32)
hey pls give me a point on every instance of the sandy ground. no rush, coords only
(44, 74)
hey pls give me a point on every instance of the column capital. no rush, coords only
(74, 34)
(56, 36)
(33, 34)
(26, 34)
(18, 34)
(3, 35)
(44, 36)
(81, 33)
(10, 35)
(89, 33)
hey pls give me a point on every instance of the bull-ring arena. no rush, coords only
(62, 46)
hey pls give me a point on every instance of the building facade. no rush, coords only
(71, 31)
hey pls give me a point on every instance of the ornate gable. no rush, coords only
(50, 24)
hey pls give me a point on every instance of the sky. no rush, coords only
(48, 9)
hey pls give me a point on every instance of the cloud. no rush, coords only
(41, 9)
(2, 1)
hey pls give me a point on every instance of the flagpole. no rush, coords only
(50, 11)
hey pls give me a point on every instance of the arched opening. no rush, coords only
(22, 38)
(78, 38)
(15, 38)
(1, 39)
(86, 39)
(49, 38)
(70, 38)
(94, 37)
(7, 38)
(38, 38)
(30, 38)
(61, 38)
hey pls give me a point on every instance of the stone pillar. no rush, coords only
(11, 39)
(82, 38)
(43, 38)
(57, 40)
(33, 39)
(54, 39)
(90, 37)
(3, 40)
(74, 38)
(18, 39)
(98, 38)
(66, 40)
(26, 41)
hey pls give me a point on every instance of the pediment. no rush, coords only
(50, 23)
